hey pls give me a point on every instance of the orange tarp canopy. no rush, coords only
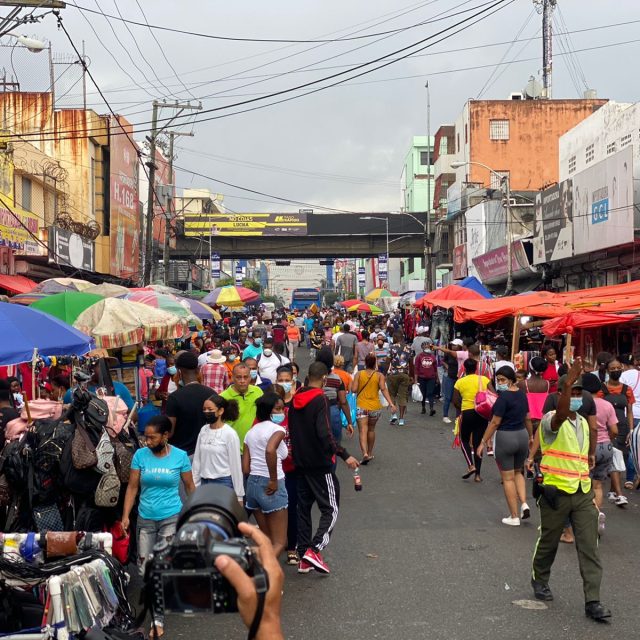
(443, 297)
(584, 320)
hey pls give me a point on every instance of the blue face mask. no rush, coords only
(502, 387)
(172, 371)
(257, 342)
(575, 404)
(253, 374)
(277, 418)
(286, 386)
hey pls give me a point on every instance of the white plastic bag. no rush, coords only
(383, 400)
(416, 394)
(618, 461)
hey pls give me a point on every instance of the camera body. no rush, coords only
(181, 575)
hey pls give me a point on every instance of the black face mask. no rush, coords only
(615, 375)
(158, 448)
(209, 417)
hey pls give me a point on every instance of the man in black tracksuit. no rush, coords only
(314, 450)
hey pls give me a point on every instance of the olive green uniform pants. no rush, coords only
(580, 510)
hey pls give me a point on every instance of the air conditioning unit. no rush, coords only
(516, 95)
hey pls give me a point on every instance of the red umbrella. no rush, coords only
(350, 303)
(451, 292)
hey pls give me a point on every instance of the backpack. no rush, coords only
(104, 453)
(108, 490)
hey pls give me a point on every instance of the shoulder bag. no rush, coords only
(484, 401)
(83, 451)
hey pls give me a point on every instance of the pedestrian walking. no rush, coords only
(363, 349)
(345, 346)
(425, 374)
(399, 375)
(213, 372)
(245, 394)
(314, 448)
(293, 339)
(449, 378)
(568, 450)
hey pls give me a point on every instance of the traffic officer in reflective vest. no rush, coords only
(568, 452)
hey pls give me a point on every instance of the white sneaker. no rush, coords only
(512, 522)
(525, 512)
(611, 496)
(446, 420)
(601, 521)
(621, 501)
(393, 419)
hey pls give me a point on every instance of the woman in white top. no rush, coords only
(217, 455)
(264, 451)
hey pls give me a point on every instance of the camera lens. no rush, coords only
(216, 506)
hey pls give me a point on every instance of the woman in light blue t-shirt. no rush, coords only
(156, 471)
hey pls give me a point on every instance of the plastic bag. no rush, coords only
(618, 461)
(416, 394)
(351, 401)
(383, 400)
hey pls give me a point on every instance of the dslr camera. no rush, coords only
(181, 576)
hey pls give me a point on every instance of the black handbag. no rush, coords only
(47, 518)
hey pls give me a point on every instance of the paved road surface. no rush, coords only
(420, 553)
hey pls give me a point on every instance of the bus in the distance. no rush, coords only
(303, 298)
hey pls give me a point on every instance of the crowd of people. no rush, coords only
(232, 407)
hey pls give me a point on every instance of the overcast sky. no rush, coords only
(342, 147)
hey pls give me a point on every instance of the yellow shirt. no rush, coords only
(468, 387)
(368, 390)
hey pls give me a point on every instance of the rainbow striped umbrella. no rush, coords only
(199, 309)
(364, 307)
(231, 296)
(165, 302)
(376, 294)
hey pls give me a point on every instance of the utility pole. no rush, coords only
(507, 206)
(546, 7)
(151, 194)
(428, 255)
(169, 207)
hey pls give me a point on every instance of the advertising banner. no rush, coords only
(362, 277)
(603, 204)
(160, 205)
(13, 233)
(238, 275)
(66, 247)
(245, 224)
(553, 230)
(383, 267)
(215, 265)
(125, 221)
(493, 264)
(460, 262)
(476, 235)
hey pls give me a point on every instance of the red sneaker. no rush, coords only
(313, 557)
(304, 566)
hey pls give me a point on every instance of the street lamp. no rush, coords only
(506, 190)
(386, 221)
(35, 46)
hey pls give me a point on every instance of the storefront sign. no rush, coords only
(238, 275)
(603, 204)
(383, 267)
(553, 231)
(215, 265)
(18, 230)
(493, 265)
(245, 224)
(125, 223)
(362, 277)
(460, 262)
(68, 248)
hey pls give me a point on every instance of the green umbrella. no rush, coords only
(68, 305)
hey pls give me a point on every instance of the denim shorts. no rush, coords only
(368, 413)
(224, 480)
(256, 498)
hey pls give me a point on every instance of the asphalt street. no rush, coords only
(420, 553)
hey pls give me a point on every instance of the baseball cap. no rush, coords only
(457, 342)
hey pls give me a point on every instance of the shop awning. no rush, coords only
(16, 284)
(445, 296)
(584, 320)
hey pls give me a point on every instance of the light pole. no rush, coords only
(505, 186)
(386, 221)
(35, 46)
(428, 254)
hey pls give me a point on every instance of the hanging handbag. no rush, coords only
(108, 490)
(83, 451)
(104, 453)
(484, 401)
(47, 518)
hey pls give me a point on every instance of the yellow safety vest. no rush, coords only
(564, 464)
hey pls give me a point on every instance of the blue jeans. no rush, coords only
(447, 394)
(225, 480)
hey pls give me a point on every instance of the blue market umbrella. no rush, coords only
(25, 329)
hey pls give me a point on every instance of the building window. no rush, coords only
(611, 148)
(443, 150)
(457, 143)
(26, 193)
(402, 268)
(499, 129)
(424, 158)
(410, 266)
(422, 263)
(625, 140)
(589, 153)
(572, 164)
(497, 178)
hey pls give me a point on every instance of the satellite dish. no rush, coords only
(533, 90)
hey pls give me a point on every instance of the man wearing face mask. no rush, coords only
(425, 371)
(256, 379)
(269, 361)
(568, 451)
(255, 349)
(244, 391)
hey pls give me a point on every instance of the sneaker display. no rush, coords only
(304, 566)
(512, 522)
(314, 558)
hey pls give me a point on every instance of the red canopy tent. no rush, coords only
(569, 322)
(448, 296)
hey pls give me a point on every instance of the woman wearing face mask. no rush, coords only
(284, 380)
(296, 376)
(511, 423)
(169, 382)
(156, 472)
(264, 451)
(293, 339)
(233, 357)
(217, 456)
(425, 370)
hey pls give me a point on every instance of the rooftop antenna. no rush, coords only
(546, 7)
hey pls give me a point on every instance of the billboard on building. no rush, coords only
(494, 264)
(553, 226)
(245, 224)
(460, 262)
(161, 208)
(476, 235)
(18, 229)
(71, 249)
(125, 221)
(383, 267)
(603, 204)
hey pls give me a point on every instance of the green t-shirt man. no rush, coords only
(247, 406)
